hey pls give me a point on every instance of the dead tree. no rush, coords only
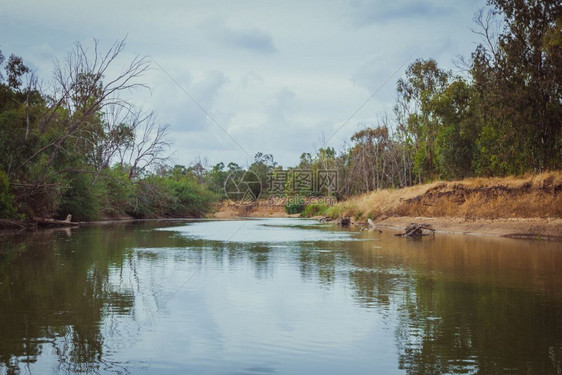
(82, 87)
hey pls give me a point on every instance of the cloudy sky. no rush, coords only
(280, 77)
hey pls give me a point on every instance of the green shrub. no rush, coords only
(314, 209)
(190, 198)
(294, 208)
(79, 198)
(115, 192)
(174, 196)
(7, 209)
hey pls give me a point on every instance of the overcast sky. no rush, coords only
(280, 77)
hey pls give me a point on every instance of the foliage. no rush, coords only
(7, 209)
(57, 146)
(502, 117)
(314, 209)
(79, 199)
(294, 208)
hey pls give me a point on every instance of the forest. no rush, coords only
(80, 148)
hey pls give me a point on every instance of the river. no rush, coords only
(276, 296)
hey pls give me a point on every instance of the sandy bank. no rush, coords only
(260, 209)
(536, 228)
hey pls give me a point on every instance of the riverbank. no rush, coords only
(530, 228)
(523, 207)
(262, 208)
(528, 206)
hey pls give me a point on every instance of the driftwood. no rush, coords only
(417, 230)
(371, 227)
(42, 222)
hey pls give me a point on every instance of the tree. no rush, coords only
(79, 93)
(518, 83)
(15, 69)
(424, 80)
(146, 146)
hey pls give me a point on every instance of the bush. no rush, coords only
(294, 208)
(190, 198)
(79, 199)
(314, 209)
(175, 196)
(115, 193)
(7, 209)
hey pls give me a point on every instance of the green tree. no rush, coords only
(518, 86)
(423, 82)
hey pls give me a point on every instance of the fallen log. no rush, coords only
(417, 230)
(43, 222)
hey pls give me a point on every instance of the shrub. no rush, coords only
(294, 208)
(7, 209)
(79, 198)
(314, 209)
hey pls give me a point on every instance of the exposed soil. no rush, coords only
(536, 228)
(519, 207)
(259, 209)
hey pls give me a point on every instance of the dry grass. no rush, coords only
(489, 198)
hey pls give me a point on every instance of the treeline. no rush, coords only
(81, 148)
(501, 115)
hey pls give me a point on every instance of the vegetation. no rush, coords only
(501, 115)
(83, 149)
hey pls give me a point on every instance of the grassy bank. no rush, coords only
(533, 196)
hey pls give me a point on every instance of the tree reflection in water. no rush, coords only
(455, 304)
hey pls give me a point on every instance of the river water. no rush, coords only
(276, 296)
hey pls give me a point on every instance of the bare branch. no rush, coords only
(488, 28)
(79, 89)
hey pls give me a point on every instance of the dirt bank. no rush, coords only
(227, 210)
(528, 206)
(523, 207)
(536, 228)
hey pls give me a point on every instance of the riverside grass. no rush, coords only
(528, 196)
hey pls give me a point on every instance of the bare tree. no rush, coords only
(117, 133)
(30, 87)
(148, 145)
(83, 86)
(489, 27)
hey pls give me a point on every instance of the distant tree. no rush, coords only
(1, 62)
(15, 69)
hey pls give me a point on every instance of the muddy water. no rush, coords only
(276, 296)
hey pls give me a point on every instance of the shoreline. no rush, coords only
(522, 228)
(519, 228)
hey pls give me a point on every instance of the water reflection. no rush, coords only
(277, 296)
